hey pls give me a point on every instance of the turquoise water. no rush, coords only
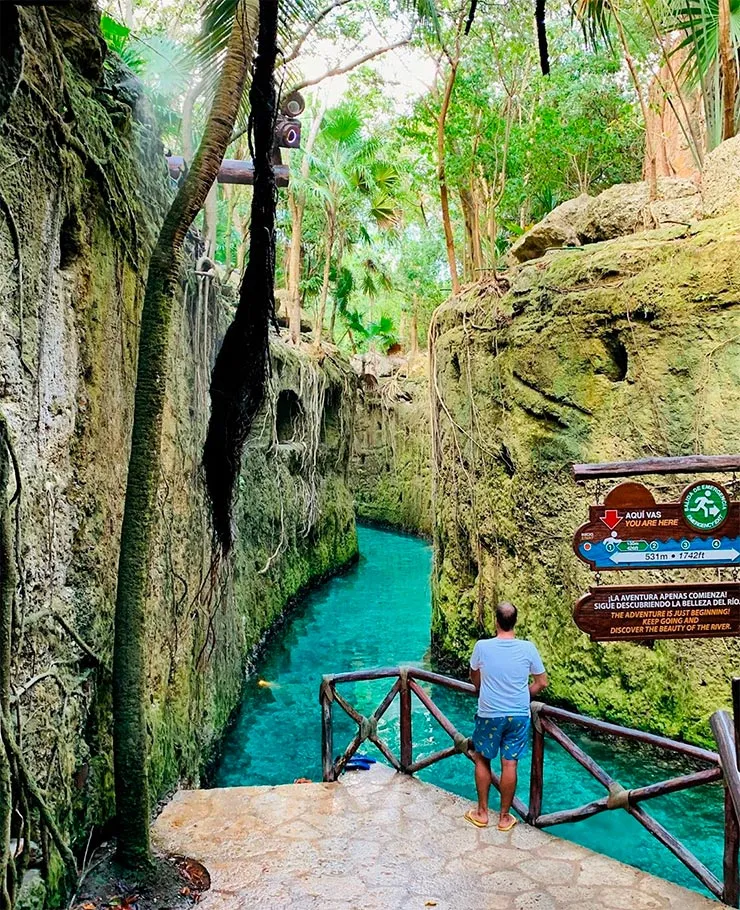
(378, 614)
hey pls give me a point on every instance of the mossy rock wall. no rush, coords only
(86, 188)
(616, 351)
(391, 465)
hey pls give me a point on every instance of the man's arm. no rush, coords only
(475, 679)
(539, 682)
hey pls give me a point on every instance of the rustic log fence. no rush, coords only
(547, 721)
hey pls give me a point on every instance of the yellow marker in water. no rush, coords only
(264, 684)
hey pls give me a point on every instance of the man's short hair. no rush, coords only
(506, 616)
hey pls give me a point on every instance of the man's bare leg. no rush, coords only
(508, 788)
(482, 786)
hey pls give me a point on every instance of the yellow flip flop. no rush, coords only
(474, 821)
(508, 827)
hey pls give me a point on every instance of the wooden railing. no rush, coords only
(546, 722)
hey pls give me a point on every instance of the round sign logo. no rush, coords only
(704, 506)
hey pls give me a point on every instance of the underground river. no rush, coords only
(378, 614)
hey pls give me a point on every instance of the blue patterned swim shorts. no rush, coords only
(509, 734)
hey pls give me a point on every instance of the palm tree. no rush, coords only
(348, 177)
(130, 746)
(712, 41)
(232, 28)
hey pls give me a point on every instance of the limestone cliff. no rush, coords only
(83, 186)
(614, 351)
(391, 466)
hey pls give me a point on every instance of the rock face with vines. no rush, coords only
(75, 237)
(391, 467)
(578, 361)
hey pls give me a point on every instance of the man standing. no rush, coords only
(500, 669)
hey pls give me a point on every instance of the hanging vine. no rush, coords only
(239, 377)
(462, 438)
(22, 801)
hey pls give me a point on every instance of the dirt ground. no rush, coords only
(173, 883)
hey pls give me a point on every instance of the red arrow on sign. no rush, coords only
(611, 518)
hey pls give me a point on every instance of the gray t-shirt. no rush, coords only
(505, 666)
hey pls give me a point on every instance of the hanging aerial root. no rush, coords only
(33, 792)
(239, 378)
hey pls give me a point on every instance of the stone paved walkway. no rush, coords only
(382, 840)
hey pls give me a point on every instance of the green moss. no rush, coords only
(621, 350)
(88, 210)
(390, 470)
(32, 894)
(294, 524)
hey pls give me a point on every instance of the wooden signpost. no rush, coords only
(635, 612)
(631, 531)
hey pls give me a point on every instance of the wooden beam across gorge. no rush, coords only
(232, 170)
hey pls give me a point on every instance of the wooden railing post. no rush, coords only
(538, 765)
(731, 890)
(736, 715)
(407, 744)
(326, 697)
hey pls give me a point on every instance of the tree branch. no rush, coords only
(336, 71)
(80, 642)
(341, 70)
(319, 18)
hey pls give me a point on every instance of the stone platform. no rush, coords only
(378, 840)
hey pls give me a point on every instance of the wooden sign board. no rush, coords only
(631, 531)
(634, 612)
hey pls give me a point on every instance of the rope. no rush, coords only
(619, 798)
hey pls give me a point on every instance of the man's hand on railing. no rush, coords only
(538, 683)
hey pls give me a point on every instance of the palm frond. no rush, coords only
(343, 124)
(700, 53)
(594, 17)
(344, 286)
(427, 12)
(118, 38)
(385, 175)
(217, 18)
(385, 211)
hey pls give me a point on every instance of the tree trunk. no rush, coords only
(243, 239)
(7, 593)
(333, 320)
(230, 196)
(474, 253)
(442, 179)
(492, 231)
(297, 205)
(240, 374)
(414, 352)
(651, 164)
(210, 223)
(728, 70)
(130, 742)
(128, 13)
(318, 329)
(186, 124)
